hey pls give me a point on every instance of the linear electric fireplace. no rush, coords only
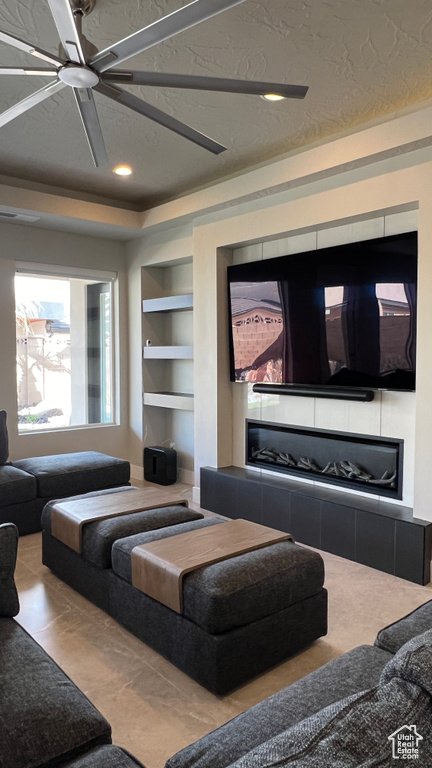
(361, 462)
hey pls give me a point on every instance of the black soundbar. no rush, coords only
(361, 395)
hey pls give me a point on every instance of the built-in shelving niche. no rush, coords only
(167, 359)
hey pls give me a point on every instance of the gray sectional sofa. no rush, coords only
(364, 709)
(357, 710)
(28, 484)
(45, 720)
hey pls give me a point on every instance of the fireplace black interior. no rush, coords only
(362, 462)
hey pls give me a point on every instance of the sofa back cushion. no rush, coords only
(357, 670)
(4, 440)
(9, 603)
(413, 662)
(362, 730)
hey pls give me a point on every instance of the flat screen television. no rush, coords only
(343, 316)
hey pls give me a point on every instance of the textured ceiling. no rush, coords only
(362, 60)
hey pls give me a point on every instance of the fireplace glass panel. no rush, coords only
(368, 463)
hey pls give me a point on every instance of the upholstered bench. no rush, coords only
(240, 616)
(89, 572)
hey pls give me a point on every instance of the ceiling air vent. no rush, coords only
(17, 216)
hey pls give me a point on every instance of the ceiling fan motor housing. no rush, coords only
(82, 6)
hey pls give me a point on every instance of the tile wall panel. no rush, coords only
(306, 519)
(409, 539)
(276, 508)
(332, 414)
(274, 248)
(248, 253)
(374, 533)
(301, 243)
(398, 420)
(249, 501)
(225, 496)
(396, 223)
(350, 233)
(338, 531)
(240, 414)
(365, 418)
(288, 409)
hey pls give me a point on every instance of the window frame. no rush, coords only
(54, 271)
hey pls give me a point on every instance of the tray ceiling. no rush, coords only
(362, 62)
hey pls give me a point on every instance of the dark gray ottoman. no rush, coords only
(241, 616)
(68, 474)
(88, 572)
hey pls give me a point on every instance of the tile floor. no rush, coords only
(154, 709)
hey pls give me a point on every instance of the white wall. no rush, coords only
(26, 243)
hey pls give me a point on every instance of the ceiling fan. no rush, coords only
(85, 69)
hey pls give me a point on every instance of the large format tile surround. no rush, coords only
(153, 707)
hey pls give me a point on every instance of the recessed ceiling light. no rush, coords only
(272, 97)
(123, 170)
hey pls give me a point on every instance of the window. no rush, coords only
(64, 335)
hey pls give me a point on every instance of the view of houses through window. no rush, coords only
(64, 351)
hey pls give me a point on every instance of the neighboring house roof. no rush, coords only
(241, 306)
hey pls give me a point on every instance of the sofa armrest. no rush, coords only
(9, 603)
(395, 635)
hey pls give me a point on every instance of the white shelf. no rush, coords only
(181, 303)
(180, 400)
(168, 353)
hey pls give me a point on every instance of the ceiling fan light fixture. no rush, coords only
(78, 76)
(122, 170)
(272, 97)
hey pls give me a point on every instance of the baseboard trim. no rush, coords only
(184, 475)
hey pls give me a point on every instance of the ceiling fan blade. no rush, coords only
(128, 100)
(30, 101)
(226, 85)
(160, 30)
(41, 72)
(5, 37)
(87, 108)
(67, 30)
